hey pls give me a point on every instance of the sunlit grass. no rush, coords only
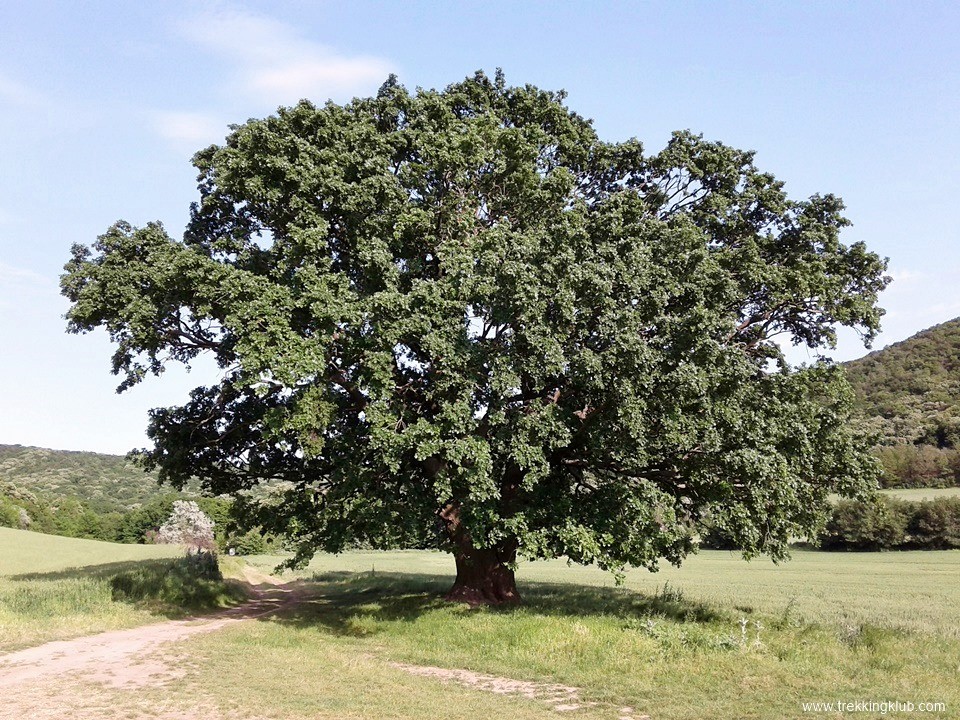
(53, 587)
(922, 493)
(907, 590)
(30, 552)
(660, 653)
(718, 638)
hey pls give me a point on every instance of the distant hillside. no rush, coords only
(910, 391)
(106, 482)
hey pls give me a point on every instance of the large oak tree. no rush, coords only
(458, 317)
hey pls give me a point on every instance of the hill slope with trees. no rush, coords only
(102, 497)
(107, 483)
(909, 394)
(910, 390)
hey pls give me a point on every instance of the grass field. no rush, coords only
(30, 552)
(54, 587)
(922, 493)
(870, 626)
(718, 638)
(915, 591)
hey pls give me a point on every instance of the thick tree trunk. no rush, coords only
(484, 578)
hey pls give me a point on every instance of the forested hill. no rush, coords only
(105, 483)
(910, 391)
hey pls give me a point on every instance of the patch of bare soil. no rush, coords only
(563, 698)
(124, 659)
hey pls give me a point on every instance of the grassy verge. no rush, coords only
(53, 588)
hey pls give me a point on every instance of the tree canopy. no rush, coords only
(459, 317)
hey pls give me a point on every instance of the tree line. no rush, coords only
(881, 523)
(918, 466)
(73, 517)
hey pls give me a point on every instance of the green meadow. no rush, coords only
(911, 591)
(922, 493)
(52, 587)
(717, 638)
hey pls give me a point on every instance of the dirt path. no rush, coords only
(72, 678)
(126, 658)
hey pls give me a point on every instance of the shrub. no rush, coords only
(148, 518)
(191, 582)
(891, 524)
(251, 542)
(857, 525)
(187, 525)
(935, 524)
(9, 515)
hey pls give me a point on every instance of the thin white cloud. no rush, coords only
(18, 94)
(20, 287)
(10, 274)
(904, 275)
(189, 128)
(273, 63)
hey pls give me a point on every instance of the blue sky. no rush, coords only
(103, 103)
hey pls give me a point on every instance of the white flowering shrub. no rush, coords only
(187, 525)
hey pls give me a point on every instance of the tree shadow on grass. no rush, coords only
(167, 587)
(342, 602)
(100, 571)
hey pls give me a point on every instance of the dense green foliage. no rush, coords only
(75, 518)
(916, 466)
(910, 391)
(464, 306)
(67, 516)
(104, 483)
(891, 524)
(909, 394)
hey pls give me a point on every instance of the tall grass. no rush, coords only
(53, 587)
